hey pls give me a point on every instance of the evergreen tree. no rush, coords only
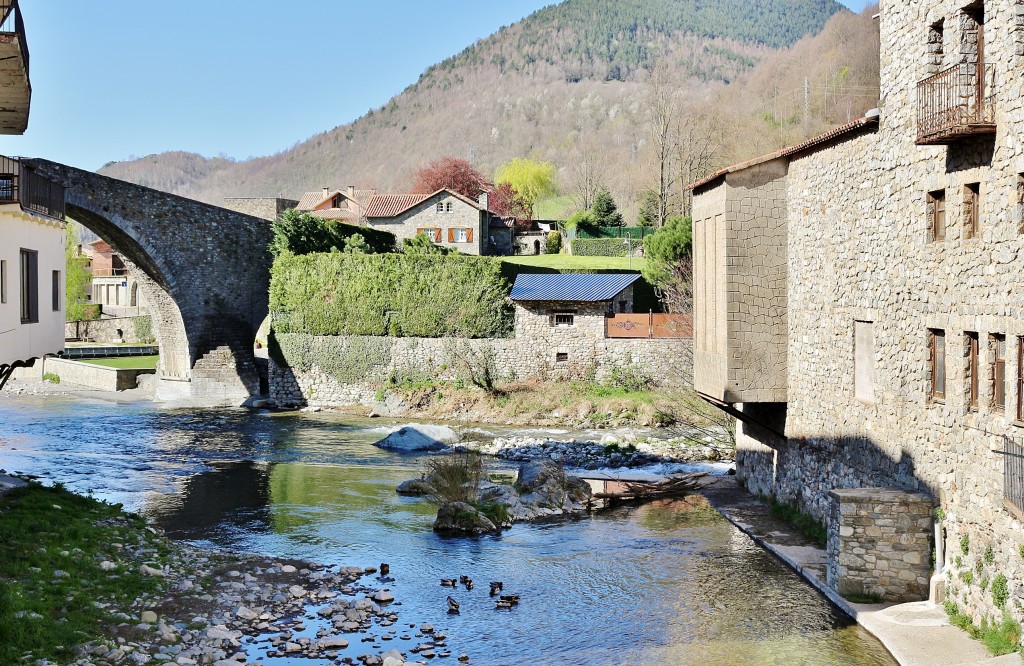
(648, 215)
(605, 211)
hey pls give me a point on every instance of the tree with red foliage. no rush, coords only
(506, 202)
(449, 172)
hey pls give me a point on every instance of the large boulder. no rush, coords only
(545, 484)
(419, 437)
(461, 518)
(415, 488)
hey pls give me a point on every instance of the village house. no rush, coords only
(857, 306)
(31, 224)
(113, 287)
(448, 218)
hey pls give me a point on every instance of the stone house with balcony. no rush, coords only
(857, 307)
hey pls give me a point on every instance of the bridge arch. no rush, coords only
(203, 270)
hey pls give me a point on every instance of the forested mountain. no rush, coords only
(580, 78)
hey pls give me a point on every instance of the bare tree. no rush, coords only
(587, 170)
(700, 139)
(663, 105)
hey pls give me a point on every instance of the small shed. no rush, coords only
(569, 304)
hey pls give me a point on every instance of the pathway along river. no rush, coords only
(669, 583)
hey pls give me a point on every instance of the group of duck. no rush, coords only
(504, 600)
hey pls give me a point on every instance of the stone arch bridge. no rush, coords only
(203, 270)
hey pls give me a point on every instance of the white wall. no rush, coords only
(19, 230)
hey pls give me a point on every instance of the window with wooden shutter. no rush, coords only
(451, 235)
(469, 235)
(972, 371)
(997, 343)
(937, 215)
(437, 235)
(938, 364)
(972, 208)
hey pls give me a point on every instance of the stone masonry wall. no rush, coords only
(879, 543)
(267, 208)
(324, 371)
(860, 251)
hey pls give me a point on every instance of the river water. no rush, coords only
(665, 583)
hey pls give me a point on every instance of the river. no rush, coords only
(665, 583)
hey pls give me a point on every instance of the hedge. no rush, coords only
(303, 233)
(636, 233)
(602, 247)
(429, 296)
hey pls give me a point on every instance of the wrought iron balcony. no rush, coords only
(32, 192)
(955, 104)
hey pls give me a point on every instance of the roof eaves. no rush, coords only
(815, 142)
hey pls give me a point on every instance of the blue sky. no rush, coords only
(118, 78)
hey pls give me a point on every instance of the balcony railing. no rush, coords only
(956, 103)
(11, 23)
(31, 191)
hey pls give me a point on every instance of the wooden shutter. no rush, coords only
(469, 235)
(437, 235)
(451, 235)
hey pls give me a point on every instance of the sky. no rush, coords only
(117, 79)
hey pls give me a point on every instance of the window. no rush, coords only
(937, 339)
(561, 357)
(864, 361)
(460, 235)
(972, 205)
(997, 344)
(56, 291)
(433, 233)
(7, 188)
(448, 207)
(440, 207)
(29, 287)
(3, 280)
(564, 319)
(1020, 379)
(937, 215)
(935, 46)
(972, 371)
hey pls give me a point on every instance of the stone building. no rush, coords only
(447, 217)
(857, 299)
(267, 208)
(113, 287)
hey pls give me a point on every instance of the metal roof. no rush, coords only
(578, 287)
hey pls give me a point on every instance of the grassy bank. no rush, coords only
(126, 362)
(54, 594)
(553, 404)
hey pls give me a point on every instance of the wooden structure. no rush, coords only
(650, 325)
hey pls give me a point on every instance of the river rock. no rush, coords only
(383, 596)
(546, 484)
(419, 437)
(149, 617)
(461, 518)
(415, 488)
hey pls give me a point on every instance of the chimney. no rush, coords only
(352, 192)
(327, 191)
(484, 201)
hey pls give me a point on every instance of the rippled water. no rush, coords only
(665, 583)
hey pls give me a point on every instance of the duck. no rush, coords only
(469, 584)
(503, 604)
(496, 586)
(453, 606)
(448, 582)
(385, 569)
(464, 579)
(510, 598)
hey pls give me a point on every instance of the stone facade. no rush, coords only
(880, 543)
(740, 296)
(667, 362)
(267, 208)
(119, 329)
(863, 255)
(462, 226)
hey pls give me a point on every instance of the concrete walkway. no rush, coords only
(916, 634)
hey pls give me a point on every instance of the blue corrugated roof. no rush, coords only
(580, 287)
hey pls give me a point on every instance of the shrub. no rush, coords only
(965, 544)
(455, 477)
(302, 233)
(144, 329)
(630, 379)
(600, 247)
(1000, 590)
(554, 243)
(51, 378)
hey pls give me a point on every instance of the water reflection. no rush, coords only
(669, 582)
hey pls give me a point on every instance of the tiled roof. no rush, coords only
(576, 287)
(335, 214)
(390, 205)
(311, 200)
(825, 138)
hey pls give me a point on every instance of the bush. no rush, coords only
(428, 296)
(600, 247)
(52, 378)
(302, 233)
(1000, 590)
(554, 242)
(455, 477)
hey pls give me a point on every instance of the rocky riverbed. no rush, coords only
(224, 610)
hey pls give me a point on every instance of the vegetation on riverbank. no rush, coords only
(54, 593)
(126, 362)
(1002, 637)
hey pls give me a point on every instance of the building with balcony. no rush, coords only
(857, 297)
(16, 91)
(114, 289)
(32, 264)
